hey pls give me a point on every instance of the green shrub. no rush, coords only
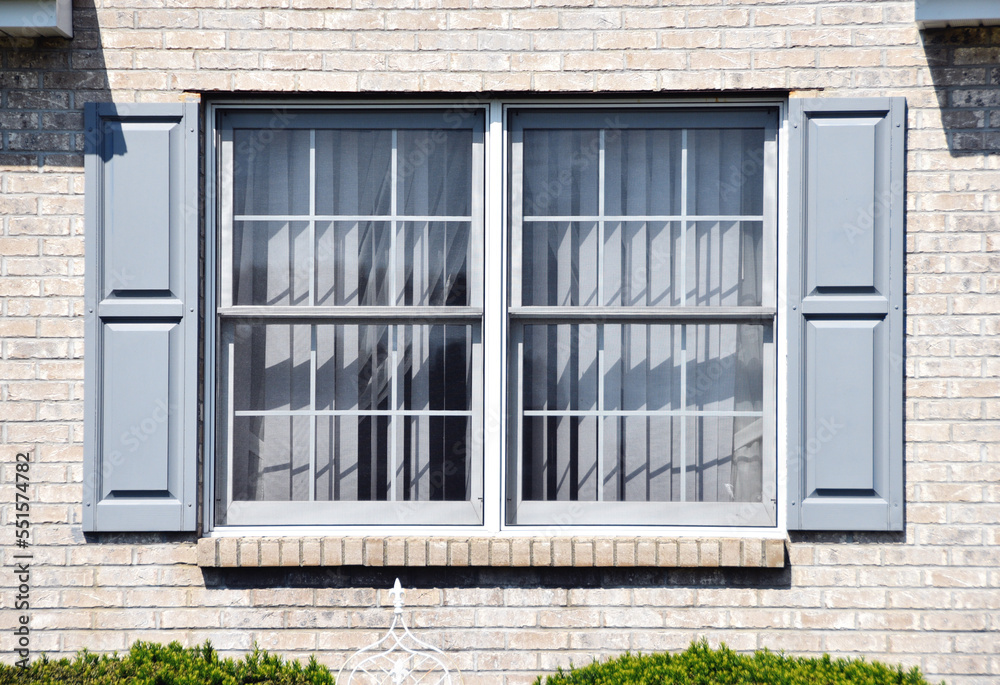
(152, 664)
(702, 665)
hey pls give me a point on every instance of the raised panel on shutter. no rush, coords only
(141, 333)
(845, 317)
(840, 424)
(137, 198)
(141, 420)
(841, 177)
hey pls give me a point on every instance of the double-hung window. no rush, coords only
(641, 317)
(350, 318)
(638, 302)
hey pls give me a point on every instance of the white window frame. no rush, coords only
(494, 324)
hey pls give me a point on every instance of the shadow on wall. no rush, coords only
(45, 83)
(965, 68)
(453, 577)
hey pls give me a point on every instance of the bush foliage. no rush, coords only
(702, 665)
(152, 664)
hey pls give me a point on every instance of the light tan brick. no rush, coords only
(562, 552)
(541, 552)
(416, 553)
(500, 553)
(227, 552)
(353, 553)
(248, 552)
(374, 551)
(520, 550)
(207, 552)
(332, 551)
(270, 552)
(395, 552)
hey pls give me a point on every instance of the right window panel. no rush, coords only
(641, 317)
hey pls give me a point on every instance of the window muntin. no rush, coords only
(641, 318)
(350, 319)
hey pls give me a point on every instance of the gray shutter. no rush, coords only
(141, 356)
(845, 314)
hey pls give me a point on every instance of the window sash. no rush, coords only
(522, 511)
(394, 314)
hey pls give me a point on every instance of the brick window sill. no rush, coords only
(266, 552)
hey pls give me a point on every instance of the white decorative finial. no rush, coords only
(397, 591)
(398, 657)
(399, 672)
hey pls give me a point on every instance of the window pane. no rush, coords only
(642, 175)
(726, 172)
(270, 171)
(353, 172)
(725, 367)
(559, 458)
(273, 368)
(642, 368)
(353, 263)
(273, 463)
(434, 263)
(642, 263)
(435, 368)
(560, 367)
(434, 171)
(561, 172)
(353, 458)
(724, 263)
(271, 261)
(560, 263)
(436, 458)
(642, 455)
(724, 459)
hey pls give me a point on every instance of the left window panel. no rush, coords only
(349, 317)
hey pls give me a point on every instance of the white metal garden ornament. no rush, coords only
(398, 657)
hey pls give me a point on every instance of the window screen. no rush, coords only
(350, 318)
(641, 316)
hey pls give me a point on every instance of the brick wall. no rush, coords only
(929, 597)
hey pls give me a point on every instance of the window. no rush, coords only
(350, 318)
(640, 303)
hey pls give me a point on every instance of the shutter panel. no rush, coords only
(845, 314)
(141, 339)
